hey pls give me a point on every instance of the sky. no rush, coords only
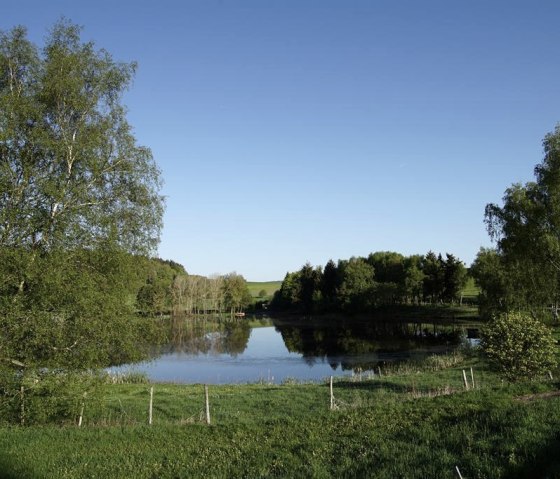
(294, 131)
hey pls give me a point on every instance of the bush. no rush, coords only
(40, 396)
(521, 347)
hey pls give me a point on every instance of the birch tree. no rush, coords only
(78, 197)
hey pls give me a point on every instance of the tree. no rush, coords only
(519, 345)
(289, 294)
(389, 276)
(235, 292)
(329, 284)
(497, 294)
(357, 285)
(414, 278)
(388, 266)
(433, 269)
(78, 197)
(310, 280)
(527, 231)
(454, 278)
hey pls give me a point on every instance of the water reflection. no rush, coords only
(364, 345)
(207, 336)
(346, 343)
(217, 351)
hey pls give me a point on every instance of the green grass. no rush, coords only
(471, 290)
(270, 287)
(413, 421)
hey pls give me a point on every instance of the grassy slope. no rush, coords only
(383, 428)
(270, 287)
(470, 290)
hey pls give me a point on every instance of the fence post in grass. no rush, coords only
(150, 409)
(22, 406)
(550, 376)
(207, 404)
(332, 395)
(379, 371)
(82, 410)
(465, 380)
(472, 378)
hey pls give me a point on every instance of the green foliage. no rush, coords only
(497, 293)
(235, 293)
(526, 229)
(363, 284)
(443, 279)
(73, 312)
(38, 396)
(71, 174)
(520, 346)
(78, 198)
(414, 278)
(357, 283)
(155, 296)
(330, 282)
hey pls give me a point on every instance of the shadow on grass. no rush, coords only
(546, 463)
(9, 470)
(376, 385)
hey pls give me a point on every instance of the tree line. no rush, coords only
(361, 284)
(169, 289)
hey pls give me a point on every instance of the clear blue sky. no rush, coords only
(294, 131)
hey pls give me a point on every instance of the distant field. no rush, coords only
(255, 287)
(471, 290)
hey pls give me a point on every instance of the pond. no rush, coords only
(273, 351)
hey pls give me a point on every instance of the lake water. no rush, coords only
(239, 351)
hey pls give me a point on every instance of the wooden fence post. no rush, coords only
(332, 395)
(207, 404)
(82, 410)
(150, 410)
(22, 406)
(465, 380)
(472, 378)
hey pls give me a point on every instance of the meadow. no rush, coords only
(255, 287)
(412, 420)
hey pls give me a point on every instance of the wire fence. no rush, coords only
(139, 404)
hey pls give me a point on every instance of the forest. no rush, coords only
(362, 284)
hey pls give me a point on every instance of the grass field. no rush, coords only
(471, 290)
(415, 421)
(270, 287)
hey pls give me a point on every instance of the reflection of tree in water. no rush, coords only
(363, 345)
(207, 336)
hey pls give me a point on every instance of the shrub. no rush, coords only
(520, 346)
(36, 396)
